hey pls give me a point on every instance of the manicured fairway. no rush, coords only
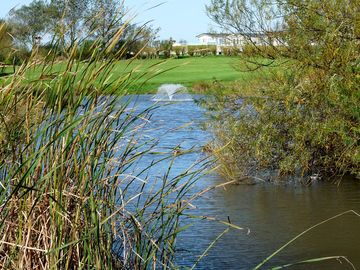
(185, 71)
(148, 75)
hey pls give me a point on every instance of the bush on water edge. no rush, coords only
(306, 121)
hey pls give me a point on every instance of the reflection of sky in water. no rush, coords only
(175, 127)
(274, 214)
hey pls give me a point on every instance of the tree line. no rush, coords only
(81, 22)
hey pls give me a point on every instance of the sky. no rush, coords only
(178, 19)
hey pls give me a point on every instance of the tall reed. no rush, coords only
(68, 199)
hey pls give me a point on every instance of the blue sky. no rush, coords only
(179, 19)
(6, 5)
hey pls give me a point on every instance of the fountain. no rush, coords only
(172, 92)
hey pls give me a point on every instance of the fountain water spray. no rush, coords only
(172, 92)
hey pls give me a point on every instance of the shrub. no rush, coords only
(201, 50)
(230, 51)
(307, 121)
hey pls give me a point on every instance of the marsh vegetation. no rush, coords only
(70, 196)
(87, 180)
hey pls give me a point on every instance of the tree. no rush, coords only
(178, 50)
(29, 23)
(308, 122)
(104, 18)
(68, 17)
(250, 18)
(166, 47)
(6, 41)
(183, 42)
(137, 38)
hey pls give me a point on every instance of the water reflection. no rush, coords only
(273, 213)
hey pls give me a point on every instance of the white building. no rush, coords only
(221, 39)
(232, 40)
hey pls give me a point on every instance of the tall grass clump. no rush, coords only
(68, 199)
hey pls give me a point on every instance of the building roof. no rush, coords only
(226, 34)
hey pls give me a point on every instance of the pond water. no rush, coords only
(274, 214)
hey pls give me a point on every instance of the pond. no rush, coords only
(274, 214)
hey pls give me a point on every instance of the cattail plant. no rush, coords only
(68, 199)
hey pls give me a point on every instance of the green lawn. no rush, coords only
(148, 75)
(151, 74)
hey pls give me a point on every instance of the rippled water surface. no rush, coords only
(274, 214)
